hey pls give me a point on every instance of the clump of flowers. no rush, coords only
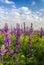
(18, 38)
(2, 52)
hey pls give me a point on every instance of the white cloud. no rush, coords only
(7, 1)
(33, 3)
(20, 15)
(42, 0)
(41, 10)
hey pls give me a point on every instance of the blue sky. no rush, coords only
(33, 4)
(19, 11)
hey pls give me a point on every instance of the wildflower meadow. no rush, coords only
(21, 46)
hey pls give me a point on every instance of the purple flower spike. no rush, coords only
(18, 32)
(9, 41)
(31, 29)
(17, 41)
(11, 51)
(30, 46)
(17, 46)
(6, 27)
(31, 52)
(2, 50)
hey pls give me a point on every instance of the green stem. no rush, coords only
(2, 60)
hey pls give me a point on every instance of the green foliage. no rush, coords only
(22, 56)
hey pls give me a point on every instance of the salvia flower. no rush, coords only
(41, 32)
(3, 50)
(18, 31)
(31, 29)
(30, 47)
(6, 27)
(17, 44)
(18, 38)
(7, 41)
(14, 30)
(17, 47)
(11, 51)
